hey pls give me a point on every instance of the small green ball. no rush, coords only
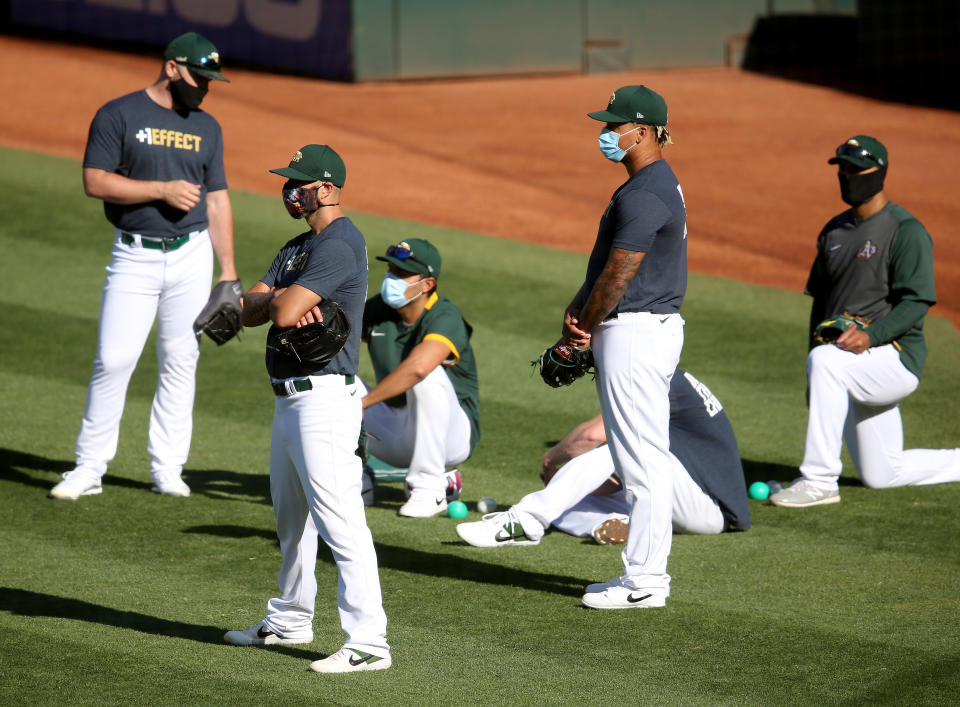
(457, 509)
(759, 491)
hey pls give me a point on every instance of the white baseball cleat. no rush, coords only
(499, 529)
(620, 597)
(260, 635)
(350, 660)
(77, 483)
(423, 503)
(802, 493)
(169, 484)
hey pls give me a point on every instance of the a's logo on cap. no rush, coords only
(613, 97)
(851, 141)
(215, 56)
(296, 157)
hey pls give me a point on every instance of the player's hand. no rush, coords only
(854, 340)
(572, 333)
(312, 315)
(181, 194)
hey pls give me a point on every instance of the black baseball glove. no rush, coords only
(314, 345)
(562, 364)
(829, 330)
(220, 317)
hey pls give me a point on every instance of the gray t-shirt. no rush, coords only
(333, 264)
(646, 214)
(134, 137)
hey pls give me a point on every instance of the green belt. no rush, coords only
(301, 384)
(164, 244)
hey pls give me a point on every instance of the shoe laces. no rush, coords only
(505, 518)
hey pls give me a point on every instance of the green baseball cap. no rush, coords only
(634, 104)
(863, 151)
(414, 255)
(313, 163)
(197, 53)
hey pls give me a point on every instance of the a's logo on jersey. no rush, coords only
(710, 402)
(297, 262)
(161, 137)
(867, 251)
(297, 157)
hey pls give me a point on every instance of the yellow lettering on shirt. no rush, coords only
(161, 137)
(178, 141)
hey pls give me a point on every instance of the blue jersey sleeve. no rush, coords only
(104, 141)
(638, 216)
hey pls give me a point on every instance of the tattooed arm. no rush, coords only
(609, 289)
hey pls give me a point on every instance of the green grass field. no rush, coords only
(123, 598)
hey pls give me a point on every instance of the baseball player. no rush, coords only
(156, 161)
(585, 498)
(315, 473)
(874, 263)
(423, 413)
(628, 309)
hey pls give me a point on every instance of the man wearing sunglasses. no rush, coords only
(874, 264)
(423, 413)
(156, 161)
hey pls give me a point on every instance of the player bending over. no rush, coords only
(585, 497)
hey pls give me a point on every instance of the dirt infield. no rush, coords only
(517, 157)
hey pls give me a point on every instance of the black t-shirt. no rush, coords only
(137, 138)
(646, 214)
(333, 264)
(702, 438)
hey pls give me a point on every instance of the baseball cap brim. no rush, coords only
(861, 163)
(606, 116)
(407, 265)
(207, 73)
(295, 174)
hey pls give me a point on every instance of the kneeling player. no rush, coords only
(584, 498)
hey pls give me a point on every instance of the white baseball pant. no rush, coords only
(636, 354)
(855, 397)
(427, 436)
(144, 284)
(566, 502)
(315, 482)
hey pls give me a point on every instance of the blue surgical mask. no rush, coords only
(610, 144)
(394, 290)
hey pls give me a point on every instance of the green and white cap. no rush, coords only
(634, 104)
(315, 163)
(414, 255)
(197, 53)
(863, 151)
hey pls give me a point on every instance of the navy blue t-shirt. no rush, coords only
(333, 264)
(702, 438)
(646, 214)
(137, 138)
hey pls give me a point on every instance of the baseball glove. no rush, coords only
(829, 330)
(562, 364)
(315, 345)
(220, 317)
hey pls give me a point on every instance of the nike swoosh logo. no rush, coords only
(634, 599)
(378, 333)
(502, 536)
(261, 633)
(835, 247)
(361, 661)
(352, 393)
(664, 319)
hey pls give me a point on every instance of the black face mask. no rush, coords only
(190, 97)
(856, 189)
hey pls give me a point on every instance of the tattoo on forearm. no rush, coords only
(611, 285)
(256, 308)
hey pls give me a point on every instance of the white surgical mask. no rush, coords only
(394, 290)
(610, 144)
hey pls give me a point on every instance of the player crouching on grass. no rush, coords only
(423, 413)
(585, 498)
(873, 269)
(315, 473)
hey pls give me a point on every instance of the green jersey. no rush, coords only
(879, 268)
(390, 340)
